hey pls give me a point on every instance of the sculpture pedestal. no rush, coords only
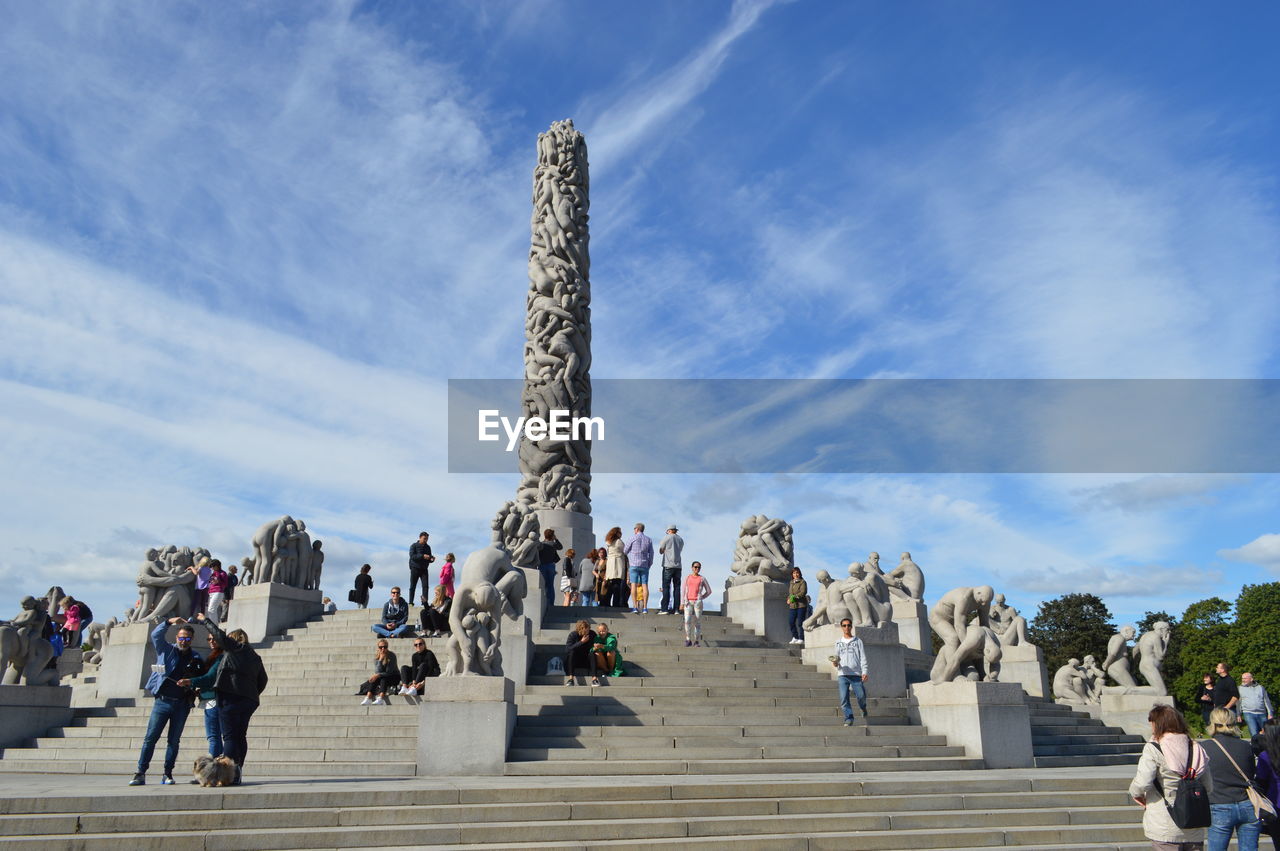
(70, 662)
(517, 650)
(1024, 663)
(912, 619)
(572, 529)
(30, 711)
(1093, 710)
(127, 664)
(465, 726)
(1129, 711)
(535, 601)
(888, 672)
(760, 607)
(989, 720)
(268, 608)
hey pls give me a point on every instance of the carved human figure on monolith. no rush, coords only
(965, 644)
(1010, 626)
(556, 474)
(1150, 651)
(829, 607)
(1094, 678)
(1117, 662)
(764, 552)
(906, 581)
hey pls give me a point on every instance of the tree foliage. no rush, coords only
(1071, 626)
(1205, 642)
(1253, 642)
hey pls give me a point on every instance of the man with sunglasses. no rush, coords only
(172, 702)
(424, 664)
(395, 617)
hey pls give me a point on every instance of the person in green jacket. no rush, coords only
(608, 656)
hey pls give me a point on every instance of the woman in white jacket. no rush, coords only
(1164, 760)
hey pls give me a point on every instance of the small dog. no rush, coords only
(215, 771)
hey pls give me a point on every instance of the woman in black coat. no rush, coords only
(577, 653)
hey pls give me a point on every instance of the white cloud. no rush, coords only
(1263, 550)
(1154, 492)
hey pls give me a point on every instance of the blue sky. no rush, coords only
(242, 248)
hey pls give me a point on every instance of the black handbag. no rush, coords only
(353, 596)
(1190, 807)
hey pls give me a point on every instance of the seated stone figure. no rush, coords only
(977, 658)
(24, 653)
(830, 607)
(1070, 685)
(866, 596)
(1010, 626)
(906, 581)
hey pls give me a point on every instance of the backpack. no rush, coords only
(1190, 807)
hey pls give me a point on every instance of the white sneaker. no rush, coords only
(410, 691)
(379, 702)
(367, 700)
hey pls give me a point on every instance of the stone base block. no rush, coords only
(888, 673)
(70, 662)
(989, 720)
(760, 607)
(30, 711)
(268, 608)
(465, 726)
(535, 598)
(1093, 710)
(129, 657)
(1024, 664)
(1129, 711)
(517, 650)
(912, 619)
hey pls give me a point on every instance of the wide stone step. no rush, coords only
(1086, 760)
(122, 765)
(755, 736)
(582, 768)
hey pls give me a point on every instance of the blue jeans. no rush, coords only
(172, 711)
(795, 619)
(548, 572)
(1255, 720)
(390, 633)
(213, 731)
(854, 682)
(1238, 816)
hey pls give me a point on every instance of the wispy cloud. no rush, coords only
(1263, 550)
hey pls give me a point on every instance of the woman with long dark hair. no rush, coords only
(1165, 759)
(237, 682)
(386, 673)
(615, 569)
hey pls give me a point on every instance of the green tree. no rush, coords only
(1071, 626)
(1205, 642)
(1253, 644)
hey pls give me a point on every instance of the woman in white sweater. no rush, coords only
(1164, 760)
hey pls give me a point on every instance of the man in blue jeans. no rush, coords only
(172, 702)
(639, 552)
(850, 660)
(395, 616)
(1255, 703)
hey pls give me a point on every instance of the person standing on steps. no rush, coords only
(797, 605)
(1226, 695)
(1255, 703)
(238, 682)
(615, 569)
(548, 557)
(420, 559)
(587, 578)
(363, 585)
(670, 548)
(696, 589)
(639, 552)
(175, 663)
(850, 660)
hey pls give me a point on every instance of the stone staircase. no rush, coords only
(737, 741)
(1062, 736)
(733, 706)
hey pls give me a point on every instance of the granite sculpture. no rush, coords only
(97, 635)
(1069, 684)
(906, 581)
(166, 583)
(491, 588)
(24, 653)
(765, 551)
(1094, 678)
(866, 595)
(284, 553)
(1117, 663)
(1009, 626)
(970, 647)
(556, 474)
(829, 606)
(1152, 647)
(517, 530)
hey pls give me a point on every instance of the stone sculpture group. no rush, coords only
(166, 583)
(866, 597)
(765, 551)
(1085, 682)
(284, 553)
(24, 653)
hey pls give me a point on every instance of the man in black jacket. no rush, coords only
(420, 559)
(238, 680)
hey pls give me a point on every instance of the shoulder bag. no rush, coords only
(1190, 807)
(1262, 807)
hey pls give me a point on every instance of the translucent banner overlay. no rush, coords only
(899, 425)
